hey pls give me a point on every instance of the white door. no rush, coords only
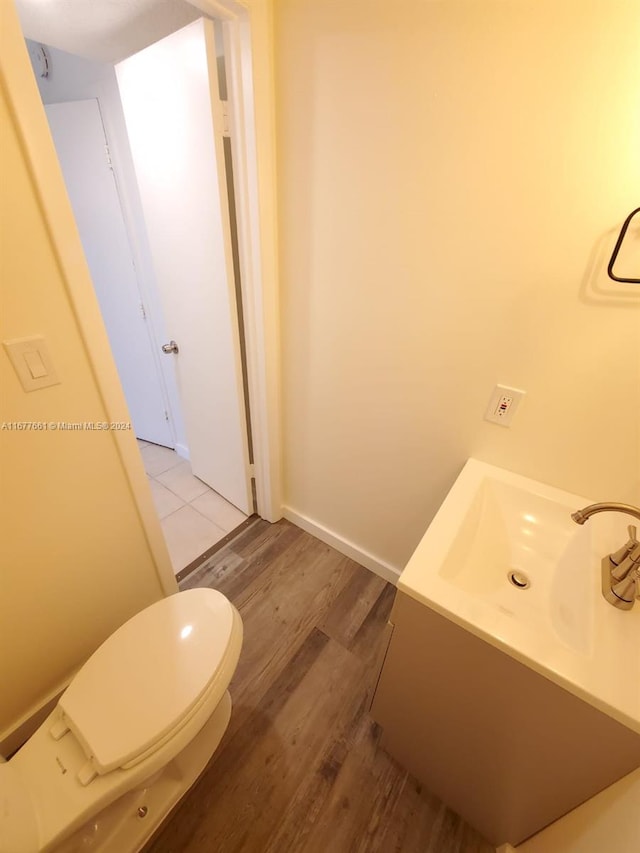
(174, 120)
(79, 137)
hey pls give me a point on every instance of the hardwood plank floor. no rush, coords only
(300, 767)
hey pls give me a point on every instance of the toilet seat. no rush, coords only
(149, 678)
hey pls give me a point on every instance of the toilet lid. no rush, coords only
(147, 676)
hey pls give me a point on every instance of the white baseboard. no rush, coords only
(183, 451)
(369, 561)
(506, 848)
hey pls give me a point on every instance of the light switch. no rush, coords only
(32, 362)
(35, 364)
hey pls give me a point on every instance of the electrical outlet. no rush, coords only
(503, 404)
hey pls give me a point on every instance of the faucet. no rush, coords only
(621, 569)
(581, 515)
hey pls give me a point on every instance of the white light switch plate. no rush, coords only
(32, 362)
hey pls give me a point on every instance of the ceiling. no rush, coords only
(103, 30)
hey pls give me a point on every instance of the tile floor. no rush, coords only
(193, 517)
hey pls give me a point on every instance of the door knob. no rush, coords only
(172, 346)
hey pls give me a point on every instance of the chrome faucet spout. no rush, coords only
(620, 570)
(581, 515)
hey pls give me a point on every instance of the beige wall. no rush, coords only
(451, 174)
(76, 561)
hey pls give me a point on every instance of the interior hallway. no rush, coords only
(193, 517)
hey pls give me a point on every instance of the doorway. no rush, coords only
(153, 220)
(247, 46)
(77, 125)
(192, 515)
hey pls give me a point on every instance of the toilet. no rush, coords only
(129, 736)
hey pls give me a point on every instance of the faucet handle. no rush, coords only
(628, 565)
(622, 553)
(629, 587)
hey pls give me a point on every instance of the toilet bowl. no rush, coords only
(129, 736)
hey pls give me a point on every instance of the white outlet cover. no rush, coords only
(503, 404)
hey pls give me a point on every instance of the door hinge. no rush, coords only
(226, 119)
(252, 470)
(166, 415)
(107, 154)
(143, 311)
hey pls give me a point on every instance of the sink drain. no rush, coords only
(519, 579)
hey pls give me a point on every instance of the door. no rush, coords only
(174, 121)
(80, 142)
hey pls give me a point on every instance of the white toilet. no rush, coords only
(129, 736)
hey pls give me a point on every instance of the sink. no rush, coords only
(509, 686)
(524, 555)
(503, 559)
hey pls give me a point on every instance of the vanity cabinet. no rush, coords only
(503, 746)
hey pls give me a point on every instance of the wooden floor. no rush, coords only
(300, 768)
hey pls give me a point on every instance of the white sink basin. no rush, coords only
(504, 559)
(523, 554)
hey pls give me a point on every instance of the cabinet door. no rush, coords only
(501, 745)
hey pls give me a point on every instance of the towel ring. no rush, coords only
(616, 249)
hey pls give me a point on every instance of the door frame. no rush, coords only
(247, 33)
(248, 59)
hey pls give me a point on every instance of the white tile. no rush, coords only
(214, 507)
(166, 502)
(157, 459)
(182, 482)
(188, 534)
